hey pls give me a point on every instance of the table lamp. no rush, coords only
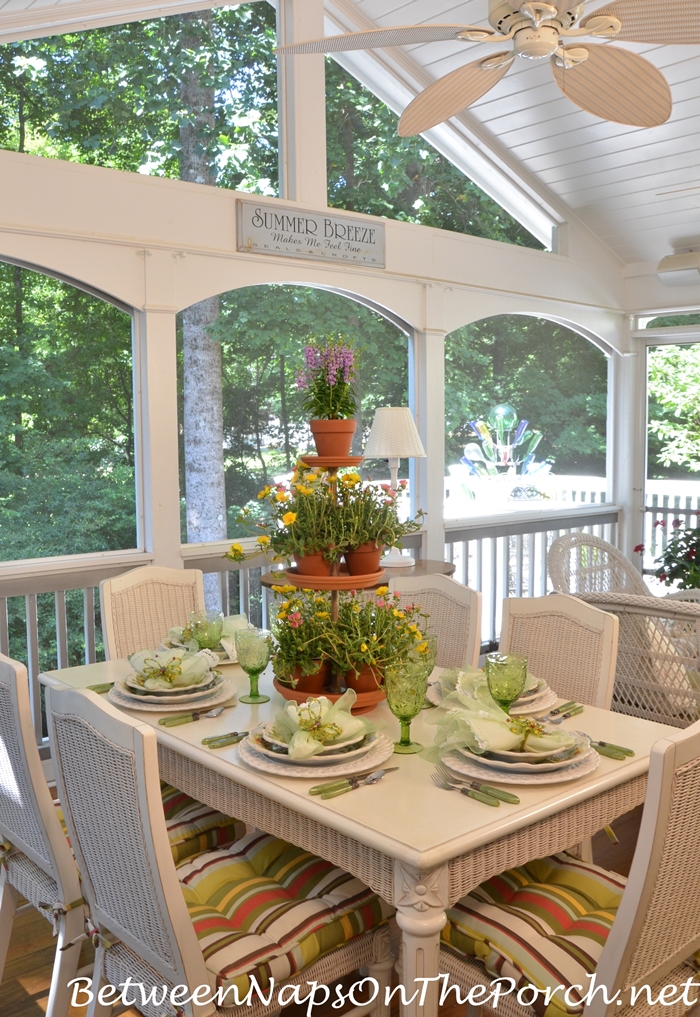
(394, 435)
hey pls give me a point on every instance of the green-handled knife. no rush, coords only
(188, 718)
(339, 787)
(479, 796)
(102, 688)
(562, 709)
(221, 741)
(618, 748)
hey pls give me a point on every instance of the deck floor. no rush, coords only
(27, 976)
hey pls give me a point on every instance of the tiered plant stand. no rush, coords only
(339, 579)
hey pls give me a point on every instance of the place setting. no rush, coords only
(170, 680)
(537, 696)
(479, 737)
(318, 738)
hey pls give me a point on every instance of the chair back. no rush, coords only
(140, 607)
(28, 819)
(657, 926)
(569, 644)
(581, 563)
(107, 774)
(455, 615)
(658, 660)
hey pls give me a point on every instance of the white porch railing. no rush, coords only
(50, 611)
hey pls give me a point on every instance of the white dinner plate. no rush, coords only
(323, 759)
(280, 749)
(579, 767)
(222, 693)
(520, 766)
(379, 751)
(168, 695)
(192, 696)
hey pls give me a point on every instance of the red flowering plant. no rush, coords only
(680, 562)
(303, 632)
(368, 513)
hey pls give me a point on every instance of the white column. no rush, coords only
(427, 401)
(421, 899)
(302, 106)
(627, 446)
(156, 423)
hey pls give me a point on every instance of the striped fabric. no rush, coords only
(543, 924)
(192, 827)
(268, 909)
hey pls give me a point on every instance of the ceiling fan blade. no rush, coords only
(616, 85)
(409, 35)
(453, 93)
(677, 21)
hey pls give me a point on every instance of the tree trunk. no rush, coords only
(19, 339)
(205, 491)
(284, 415)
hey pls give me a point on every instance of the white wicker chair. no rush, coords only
(107, 767)
(141, 606)
(36, 859)
(658, 662)
(580, 563)
(569, 644)
(657, 928)
(455, 615)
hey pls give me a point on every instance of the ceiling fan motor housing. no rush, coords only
(505, 16)
(536, 43)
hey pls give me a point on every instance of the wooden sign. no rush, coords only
(291, 233)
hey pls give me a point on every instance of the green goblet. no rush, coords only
(406, 683)
(253, 649)
(506, 674)
(425, 653)
(206, 627)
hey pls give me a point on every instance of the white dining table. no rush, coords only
(418, 847)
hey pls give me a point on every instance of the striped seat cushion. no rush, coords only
(192, 826)
(265, 908)
(543, 924)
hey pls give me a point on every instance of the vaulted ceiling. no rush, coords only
(544, 158)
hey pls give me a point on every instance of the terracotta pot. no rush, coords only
(364, 560)
(367, 679)
(312, 564)
(333, 437)
(312, 683)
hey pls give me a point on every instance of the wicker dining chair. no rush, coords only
(140, 607)
(646, 938)
(658, 661)
(455, 615)
(569, 644)
(581, 563)
(260, 907)
(35, 858)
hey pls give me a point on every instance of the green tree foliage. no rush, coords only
(553, 377)
(372, 170)
(263, 331)
(674, 410)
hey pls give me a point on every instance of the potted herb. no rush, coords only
(304, 637)
(370, 521)
(680, 562)
(300, 522)
(371, 633)
(328, 379)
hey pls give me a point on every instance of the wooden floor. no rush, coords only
(27, 976)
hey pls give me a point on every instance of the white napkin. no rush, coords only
(308, 727)
(232, 622)
(167, 669)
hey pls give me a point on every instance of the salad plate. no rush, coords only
(378, 752)
(221, 693)
(580, 766)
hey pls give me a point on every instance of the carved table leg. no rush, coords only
(421, 899)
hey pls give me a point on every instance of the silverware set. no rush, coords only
(485, 793)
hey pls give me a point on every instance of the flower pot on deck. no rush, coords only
(364, 560)
(313, 683)
(333, 437)
(367, 679)
(312, 564)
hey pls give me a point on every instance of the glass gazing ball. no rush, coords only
(504, 415)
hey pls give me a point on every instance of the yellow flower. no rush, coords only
(422, 647)
(281, 615)
(364, 647)
(288, 518)
(263, 541)
(288, 588)
(235, 553)
(418, 635)
(310, 476)
(382, 591)
(282, 496)
(285, 603)
(351, 479)
(374, 639)
(322, 614)
(356, 608)
(413, 628)
(399, 614)
(264, 493)
(302, 489)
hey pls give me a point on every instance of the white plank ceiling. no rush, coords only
(637, 189)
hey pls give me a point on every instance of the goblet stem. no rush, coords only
(405, 732)
(405, 746)
(254, 696)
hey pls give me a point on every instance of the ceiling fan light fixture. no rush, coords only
(536, 43)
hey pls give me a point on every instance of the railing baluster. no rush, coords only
(519, 565)
(61, 628)
(32, 623)
(531, 565)
(465, 563)
(4, 628)
(223, 581)
(493, 592)
(244, 588)
(89, 624)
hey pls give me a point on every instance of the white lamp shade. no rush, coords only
(393, 435)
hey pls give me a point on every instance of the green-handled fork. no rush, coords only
(475, 785)
(479, 796)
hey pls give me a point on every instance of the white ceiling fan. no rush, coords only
(612, 83)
